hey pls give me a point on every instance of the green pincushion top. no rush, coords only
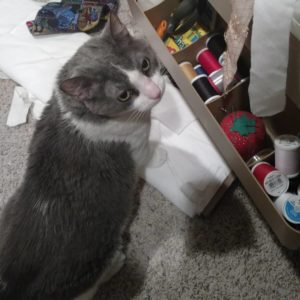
(243, 125)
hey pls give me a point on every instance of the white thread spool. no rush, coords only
(287, 154)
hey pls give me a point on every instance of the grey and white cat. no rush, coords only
(60, 234)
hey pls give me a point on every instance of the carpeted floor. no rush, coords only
(230, 255)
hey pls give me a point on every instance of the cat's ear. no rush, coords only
(116, 28)
(78, 87)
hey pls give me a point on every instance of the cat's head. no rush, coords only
(112, 74)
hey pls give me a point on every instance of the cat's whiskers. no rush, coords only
(141, 115)
(138, 116)
(134, 116)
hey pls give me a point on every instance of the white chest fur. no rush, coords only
(135, 133)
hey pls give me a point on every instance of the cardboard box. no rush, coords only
(210, 115)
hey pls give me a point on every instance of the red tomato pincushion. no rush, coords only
(245, 131)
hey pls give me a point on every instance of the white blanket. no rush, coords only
(188, 170)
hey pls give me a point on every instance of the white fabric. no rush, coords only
(193, 169)
(186, 168)
(269, 55)
(32, 62)
(21, 105)
(175, 115)
(148, 4)
(3, 75)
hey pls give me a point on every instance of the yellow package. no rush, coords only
(171, 45)
(190, 37)
(179, 42)
(200, 29)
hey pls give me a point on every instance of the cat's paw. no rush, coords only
(117, 262)
(159, 157)
(112, 269)
(114, 266)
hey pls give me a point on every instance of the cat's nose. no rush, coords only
(151, 89)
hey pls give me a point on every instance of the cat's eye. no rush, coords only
(125, 96)
(145, 65)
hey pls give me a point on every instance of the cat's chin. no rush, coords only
(147, 105)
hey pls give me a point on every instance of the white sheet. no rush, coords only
(193, 170)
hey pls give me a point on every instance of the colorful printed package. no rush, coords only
(171, 45)
(71, 16)
(179, 42)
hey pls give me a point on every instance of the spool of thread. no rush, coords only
(263, 155)
(188, 70)
(294, 183)
(207, 60)
(217, 45)
(199, 70)
(204, 88)
(162, 28)
(273, 181)
(289, 206)
(216, 80)
(287, 154)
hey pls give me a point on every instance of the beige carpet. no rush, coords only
(230, 255)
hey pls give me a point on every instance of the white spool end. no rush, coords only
(287, 154)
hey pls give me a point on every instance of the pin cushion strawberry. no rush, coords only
(245, 131)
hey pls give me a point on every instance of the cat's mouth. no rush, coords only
(162, 86)
(151, 91)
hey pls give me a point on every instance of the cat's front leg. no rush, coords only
(151, 156)
(158, 156)
(112, 269)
